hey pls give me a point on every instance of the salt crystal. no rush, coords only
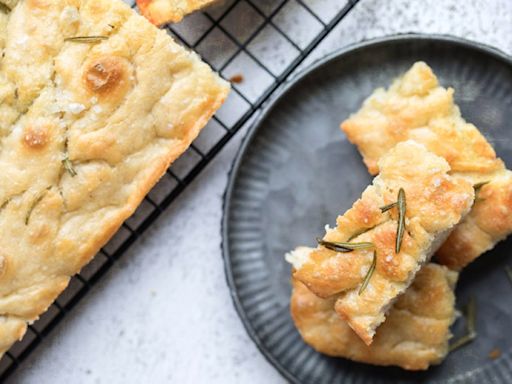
(75, 108)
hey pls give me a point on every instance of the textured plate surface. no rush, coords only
(296, 172)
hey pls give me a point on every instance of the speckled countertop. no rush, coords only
(164, 313)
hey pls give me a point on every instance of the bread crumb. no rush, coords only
(495, 353)
(237, 79)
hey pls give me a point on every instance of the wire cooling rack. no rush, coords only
(255, 43)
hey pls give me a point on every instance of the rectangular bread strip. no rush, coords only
(416, 107)
(170, 11)
(414, 336)
(86, 130)
(436, 202)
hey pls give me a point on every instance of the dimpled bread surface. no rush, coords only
(86, 130)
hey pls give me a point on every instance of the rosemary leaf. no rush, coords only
(369, 274)
(508, 270)
(360, 233)
(4, 204)
(470, 313)
(86, 39)
(68, 166)
(34, 203)
(344, 247)
(478, 186)
(471, 316)
(402, 207)
(466, 339)
(388, 207)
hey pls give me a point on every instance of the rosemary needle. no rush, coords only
(466, 339)
(344, 247)
(508, 270)
(388, 207)
(360, 233)
(478, 186)
(471, 315)
(471, 327)
(402, 207)
(34, 203)
(68, 166)
(369, 274)
(86, 39)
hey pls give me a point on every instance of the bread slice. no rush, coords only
(435, 202)
(416, 107)
(170, 11)
(414, 336)
(87, 128)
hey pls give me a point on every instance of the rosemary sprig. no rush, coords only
(470, 327)
(478, 186)
(86, 39)
(369, 274)
(68, 165)
(344, 247)
(402, 207)
(508, 271)
(388, 207)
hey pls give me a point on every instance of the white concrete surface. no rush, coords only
(164, 314)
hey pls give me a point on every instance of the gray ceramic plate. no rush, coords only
(296, 171)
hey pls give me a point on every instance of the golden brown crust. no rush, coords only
(170, 11)
(414, 336)
(489, 221)
(436, 202)
(416, 107)
(87, 130)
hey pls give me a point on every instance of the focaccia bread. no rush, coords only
(417, 107)
(170, 11)
(435, 203)
(87, 128)
(414, 336)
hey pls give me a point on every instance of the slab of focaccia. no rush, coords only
(164, 11)
(86, 130)
(414, 336)
(436, 202)
(417, 107)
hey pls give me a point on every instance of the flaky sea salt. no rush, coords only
(75, 108)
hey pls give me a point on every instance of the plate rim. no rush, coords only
(484, 48)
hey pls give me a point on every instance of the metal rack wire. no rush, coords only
(238, 40)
